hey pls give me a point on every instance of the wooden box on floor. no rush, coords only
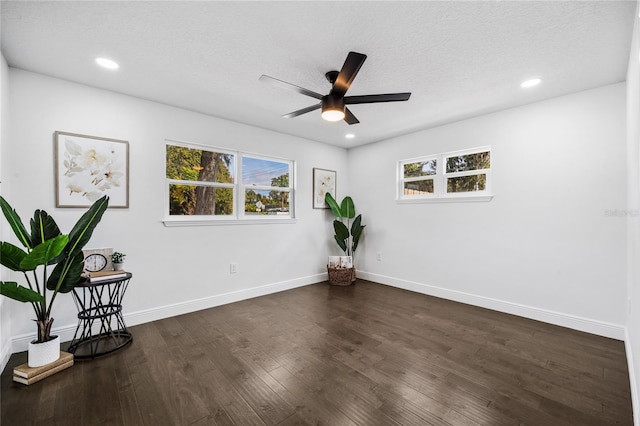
(29, 375)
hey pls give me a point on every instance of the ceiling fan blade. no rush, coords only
(372, 99)
(290, 86)
(348, 72)
(302, 111)
(349, 117)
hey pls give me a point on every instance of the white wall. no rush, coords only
(544, 247)
(633, 221)
(5, 319)
(175, 270)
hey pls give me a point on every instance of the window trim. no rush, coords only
(440, 194)
(238, 217)
(241, 187)
(434, 177)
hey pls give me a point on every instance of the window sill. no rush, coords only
(463, 199)
(214, 222)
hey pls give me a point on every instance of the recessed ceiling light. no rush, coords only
(530, 83)
(107, 63)
(349, 136)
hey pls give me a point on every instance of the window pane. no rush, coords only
(199, 165)
(256, 171)
(420, 168)
(462, 163)
(421, 187)
(200, 200)
(264, 202)
(467, 183)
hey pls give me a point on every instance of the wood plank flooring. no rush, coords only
(319, 355)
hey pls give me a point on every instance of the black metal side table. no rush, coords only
(100, 311)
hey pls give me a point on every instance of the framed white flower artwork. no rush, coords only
(88, 167)
(323, 181)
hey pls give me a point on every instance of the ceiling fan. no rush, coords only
(334, 104)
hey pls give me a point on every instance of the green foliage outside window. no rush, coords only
(462, 163)
(420, 168)
(191, 198)
(199, 166)
(449, 174)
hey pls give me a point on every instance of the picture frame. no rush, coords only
(89, 167)
(323, 181)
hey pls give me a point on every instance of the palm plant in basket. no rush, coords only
(347, 232)
(347, 226)
(49, 261)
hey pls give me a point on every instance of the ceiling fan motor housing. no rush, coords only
(330, 102)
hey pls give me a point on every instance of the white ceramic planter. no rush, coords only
(44, 353)
(118, 266)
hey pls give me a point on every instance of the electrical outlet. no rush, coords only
(378, 256)
(233, 268)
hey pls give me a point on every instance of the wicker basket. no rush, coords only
(341, 276)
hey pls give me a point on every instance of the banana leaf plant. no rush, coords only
(46, 250)
(347, 226)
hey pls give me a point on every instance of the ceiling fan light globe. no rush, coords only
(332, 108)
(333, 114)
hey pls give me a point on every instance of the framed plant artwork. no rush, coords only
(323, 181)
(88, 167)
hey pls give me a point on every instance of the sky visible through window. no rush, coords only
(256, 171)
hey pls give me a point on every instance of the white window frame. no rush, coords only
(440, 193)
(238, 217)
(242, 188)
(435, 178)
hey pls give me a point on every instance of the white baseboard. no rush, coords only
(632, 379)
(167, 311)
(599, 328)
(21, 343)
(4, 357)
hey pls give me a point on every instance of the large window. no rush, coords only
(450, 175)
(210, 183)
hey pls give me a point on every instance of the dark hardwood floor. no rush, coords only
(319, 355)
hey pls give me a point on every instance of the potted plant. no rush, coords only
(59, 258)
(348, 230)
(117, 259)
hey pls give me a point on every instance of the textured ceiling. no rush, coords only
(459, 59)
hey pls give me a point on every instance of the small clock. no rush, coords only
(98, 259)
(95, 262)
